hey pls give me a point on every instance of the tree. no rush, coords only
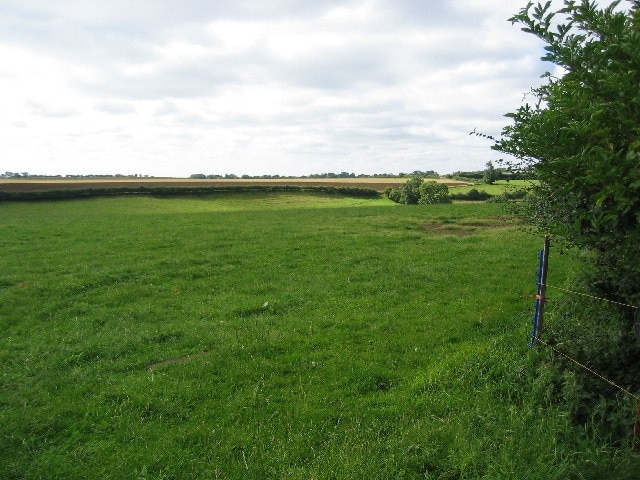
(581, 135)
(490, 174)
(433, 192)
(410, 191)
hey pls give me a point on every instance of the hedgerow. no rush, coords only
(65, 194)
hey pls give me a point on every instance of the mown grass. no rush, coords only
(275, 336)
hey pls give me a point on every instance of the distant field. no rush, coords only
(496, 188)
(272, 336)
(379, 184)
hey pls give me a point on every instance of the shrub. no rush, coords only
(472, 195)
(596, 334)
(416, 190)
(579, 134)
(433, 192)
(508, 196)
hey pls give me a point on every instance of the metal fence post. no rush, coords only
(538, 316)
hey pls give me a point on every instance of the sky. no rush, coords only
(258, 87)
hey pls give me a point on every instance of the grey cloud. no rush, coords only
(100, 34)
(340, 68)
(403, 80)
(193, 79)
(41, 28)
(143, 18)
(420, 11)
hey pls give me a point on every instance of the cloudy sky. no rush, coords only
(288, 87)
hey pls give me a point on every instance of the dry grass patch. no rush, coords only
(465, 228)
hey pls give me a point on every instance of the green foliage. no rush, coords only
(433, 192)
(68, 193)
(416, 190)
(408, 193)
(581, 135)
(509, 196)
(596, 334)
(473, 195)
(490, 174)
(500, 173)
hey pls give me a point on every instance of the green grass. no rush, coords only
(497, 188)
(265, 336)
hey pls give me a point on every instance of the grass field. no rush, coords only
(276, 336)
(496, 188)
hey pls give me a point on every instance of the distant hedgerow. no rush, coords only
(416, 190)
(173, 191)
(472, 195)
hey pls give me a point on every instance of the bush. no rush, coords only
(579, 134)
(416, 190)
(508, 196)
(472, 195)
(392, 194)
(433, 192)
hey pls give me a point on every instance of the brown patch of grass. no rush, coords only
(448, 229)
(174, 360)
(464, 228)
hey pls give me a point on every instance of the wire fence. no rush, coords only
(537, 323)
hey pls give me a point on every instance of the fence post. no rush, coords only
(538, 316)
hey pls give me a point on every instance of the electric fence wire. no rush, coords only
(624, 390)
(636, 423)
(591, 296)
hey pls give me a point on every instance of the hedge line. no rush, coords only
(174, 191)
(474, 195)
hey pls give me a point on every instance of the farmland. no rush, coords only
(379, 184)
(276, 335)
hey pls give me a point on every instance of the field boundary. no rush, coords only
(45, 184)
(71, 193)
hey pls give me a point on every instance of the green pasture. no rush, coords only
(276, 336)
(497, 188)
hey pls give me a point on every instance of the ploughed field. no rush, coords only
(22, 185)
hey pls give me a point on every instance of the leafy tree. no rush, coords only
(410, 191)
(490, 174)
(416, 190)
(581, 134)
(433, 192)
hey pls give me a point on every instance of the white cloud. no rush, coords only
(284, 87)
